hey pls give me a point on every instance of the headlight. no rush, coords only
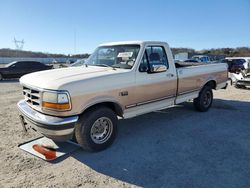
(56, 100)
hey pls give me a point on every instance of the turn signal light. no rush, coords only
(56, 106)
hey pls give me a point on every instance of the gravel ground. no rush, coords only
(176, 147)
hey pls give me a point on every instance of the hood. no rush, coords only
(57, 78)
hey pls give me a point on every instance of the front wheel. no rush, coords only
(96, 129)
(205, 99)
(1, 76)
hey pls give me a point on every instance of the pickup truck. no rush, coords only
(119, 80)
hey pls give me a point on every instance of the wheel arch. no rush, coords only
(211, 83)
(115, 106)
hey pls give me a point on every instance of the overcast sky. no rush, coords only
(53, 25)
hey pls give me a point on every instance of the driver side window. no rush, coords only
(153, 55)
(157, 55)
(16, 65)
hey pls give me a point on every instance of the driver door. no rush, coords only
(155, 86)
(18, 69)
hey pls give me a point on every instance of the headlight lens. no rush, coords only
(56, 101)
(62, 98)
(50, 97)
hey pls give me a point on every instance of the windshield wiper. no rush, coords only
(105, 65)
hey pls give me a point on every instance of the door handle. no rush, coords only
(170, 75)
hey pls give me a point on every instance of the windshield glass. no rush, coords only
(238, 61)
(9, 64)
(78, 63)
(118, 56)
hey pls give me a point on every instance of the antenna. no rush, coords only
(19, 44)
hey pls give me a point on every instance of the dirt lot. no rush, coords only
(177, 147)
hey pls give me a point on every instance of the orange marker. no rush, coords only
(48, 153)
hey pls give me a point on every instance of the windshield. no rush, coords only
(238, 61)
(9, 64)
(118, 56)
(78, 63)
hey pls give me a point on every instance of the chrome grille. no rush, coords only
(31, 96)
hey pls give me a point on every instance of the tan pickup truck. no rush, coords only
(119, 80)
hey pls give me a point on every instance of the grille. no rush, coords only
(31, 96)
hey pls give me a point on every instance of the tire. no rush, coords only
(231, 81)
(205, 99)
(1, 77)
(96, 129)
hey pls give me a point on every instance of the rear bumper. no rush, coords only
(55, 128)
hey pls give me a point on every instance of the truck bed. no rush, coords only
(191, 78)
(187, 64)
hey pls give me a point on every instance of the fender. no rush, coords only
(210, 80)
(104, 99)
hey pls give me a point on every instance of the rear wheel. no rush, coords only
(96, 129)
(205, 99)
(1, 76)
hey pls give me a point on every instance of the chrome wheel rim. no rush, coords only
(207, 99)
(101, 130)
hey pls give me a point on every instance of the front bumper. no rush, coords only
(55, 128)
(244, 82)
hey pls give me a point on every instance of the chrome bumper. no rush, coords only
(55, 128)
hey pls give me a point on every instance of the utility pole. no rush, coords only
(74, 41)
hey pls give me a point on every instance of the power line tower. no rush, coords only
(19, 44)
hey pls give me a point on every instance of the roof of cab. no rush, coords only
(132, 42)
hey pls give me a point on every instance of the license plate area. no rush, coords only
(23, 123)
(26, 125)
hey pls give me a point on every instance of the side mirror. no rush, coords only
(143, 68)
(156, 68)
